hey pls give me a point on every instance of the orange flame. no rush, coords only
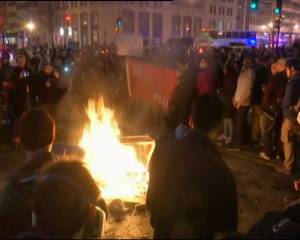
(114, 165)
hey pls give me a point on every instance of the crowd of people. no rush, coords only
(42, 78)
(252, 96)
(261, 89)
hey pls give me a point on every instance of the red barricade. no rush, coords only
(151, 83)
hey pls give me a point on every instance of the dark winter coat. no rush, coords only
(191, 188)
(291, 97)
(261, 78)
(278, 225)
(183, 97)
(274, 92)
(23, 91)
(16, 202)
(46, 88)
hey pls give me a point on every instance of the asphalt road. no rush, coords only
(260, 189)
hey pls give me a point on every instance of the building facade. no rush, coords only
(94, 22)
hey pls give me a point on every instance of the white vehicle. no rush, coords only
(203, 39)
(225, 39)
(129, 45)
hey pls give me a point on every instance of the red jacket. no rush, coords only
(205, 82)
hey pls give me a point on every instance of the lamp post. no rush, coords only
(62, 33)
(30, 26)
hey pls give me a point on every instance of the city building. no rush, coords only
(25, 22)
(94, 22)
(265, 15)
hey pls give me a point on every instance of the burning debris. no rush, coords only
(116, 166)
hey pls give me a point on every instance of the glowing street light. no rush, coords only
(263, 27)
(270, 24)
(61, 31)
(296, 27)
(30, 26)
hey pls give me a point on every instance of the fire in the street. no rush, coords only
(115, 166)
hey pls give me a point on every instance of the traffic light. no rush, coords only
(119, 22)
(254, 5)
(278, 7)
(68, 20)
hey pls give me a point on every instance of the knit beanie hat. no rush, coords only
(37, 129)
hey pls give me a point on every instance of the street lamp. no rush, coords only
(61, 31)
(270, 25)
(30, 26)
(296, 26)
(263, 27)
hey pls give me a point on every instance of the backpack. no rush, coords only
(275, 225)
(16, 204)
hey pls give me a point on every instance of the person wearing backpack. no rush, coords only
(37, 133)
(280, 224)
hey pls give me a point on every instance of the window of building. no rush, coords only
(144, 24)
(75, 3)
(13, 14)
(157, 25)
(221, 25)
(220, 10)
(187, 26)
(215, 10)
(197, 25)
(94, 27)
(176, 25)
(58, 21)
(128, 16)
(229, 26)
(212, 24)
(84, 29)
(74, 23)
(11, 3)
